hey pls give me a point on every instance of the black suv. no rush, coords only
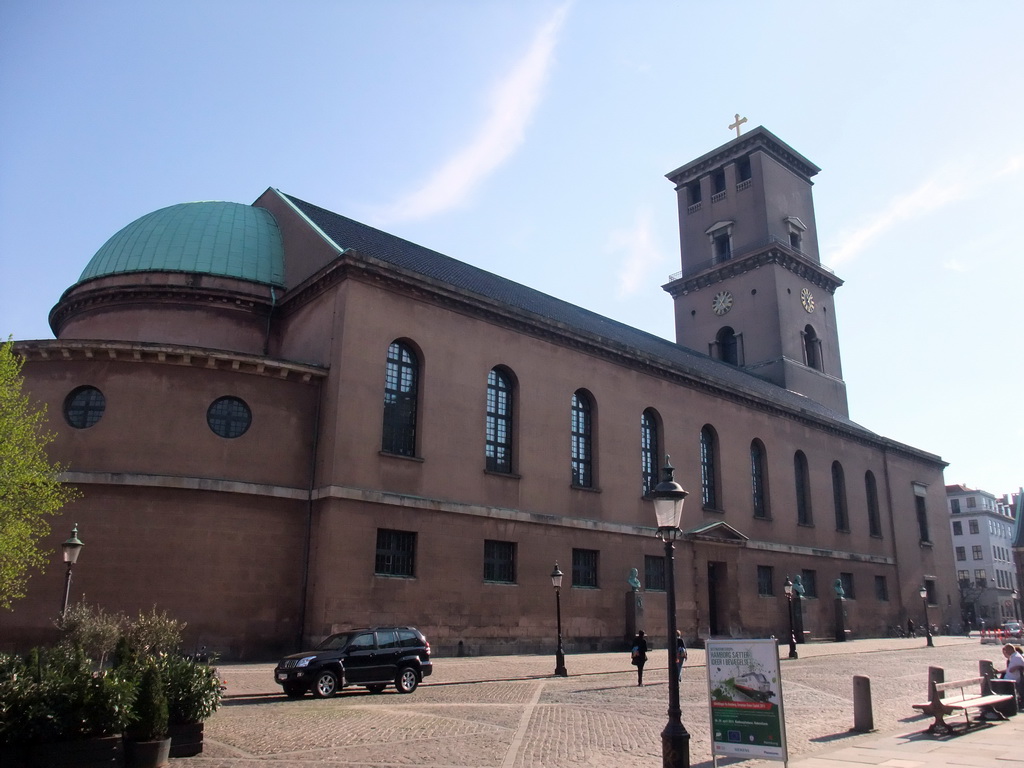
(369, 657)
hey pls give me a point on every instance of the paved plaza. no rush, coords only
(510, 712)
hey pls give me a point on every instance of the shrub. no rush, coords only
(91, 629)
(54, 695)
(150, 721)
(193, 689)
(153, 634)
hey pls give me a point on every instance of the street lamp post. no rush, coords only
(668, 498)
(556, 582)
(70, 549)
(923, 592)
(788, 587)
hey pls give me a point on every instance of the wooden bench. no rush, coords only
(958, 696)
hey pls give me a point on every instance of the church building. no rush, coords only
(284, 423)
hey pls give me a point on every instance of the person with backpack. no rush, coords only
(680, 655)
(638, 655)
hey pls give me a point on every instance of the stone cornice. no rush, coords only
(770, 254)
(167, 354)
(759, 138)
(84, 298)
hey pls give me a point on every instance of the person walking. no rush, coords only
(639, 656)
(910, 628)
(680, 655)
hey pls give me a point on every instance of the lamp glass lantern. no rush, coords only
(556, 577)
(668, 496)
(72, 547)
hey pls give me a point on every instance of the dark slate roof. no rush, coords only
(347, 233)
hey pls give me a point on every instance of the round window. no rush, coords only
(84, 406)
(229, 417)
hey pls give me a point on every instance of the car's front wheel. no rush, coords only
(407, 680)
(326, 684)
(294, 691)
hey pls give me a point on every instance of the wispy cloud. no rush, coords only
(640, 254)
(948, 186)
(932, 194)
(513, 102)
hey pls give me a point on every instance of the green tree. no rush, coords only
(30, 486)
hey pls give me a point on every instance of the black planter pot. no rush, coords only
(186, 739)
(147, 754)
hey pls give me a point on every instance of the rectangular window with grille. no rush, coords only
(500, 561)
(961, 553)
(976, 552)
(584, 568)
(765, 581)
(396, 553)
(881, 589)
(654, 573)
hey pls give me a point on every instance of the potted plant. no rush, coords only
(147, 744)
(193, 694)
(56, 710)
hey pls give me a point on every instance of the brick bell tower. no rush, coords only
(753, 291)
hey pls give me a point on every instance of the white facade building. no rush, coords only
(982, 527)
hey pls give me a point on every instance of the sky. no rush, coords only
(531, 138)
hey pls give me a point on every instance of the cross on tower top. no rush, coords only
(739, 121)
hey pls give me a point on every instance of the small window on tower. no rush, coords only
(723, 247)
(728, 348)
(743, 169)
(812, 349)
(796, 229)
(717, 182)
(693, 193)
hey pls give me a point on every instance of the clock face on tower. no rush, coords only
(722, 302)
(807, 299)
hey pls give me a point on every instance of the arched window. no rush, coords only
(812, 349)
(802, 478)
(871, 491)
(582, 436)
(759, 479)
(839, 497)
(728, 346)
(709, 467)
(400, 395)
(649, 450)
(499, 421)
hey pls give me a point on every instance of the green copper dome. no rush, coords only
(214, 238)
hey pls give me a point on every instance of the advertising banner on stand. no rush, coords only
(745, 691)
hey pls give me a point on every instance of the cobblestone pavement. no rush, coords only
(510, 712)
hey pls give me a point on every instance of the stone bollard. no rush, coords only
(863, 719)
(987, 671)
(935, 675)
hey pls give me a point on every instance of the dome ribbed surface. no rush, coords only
(214, 238)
